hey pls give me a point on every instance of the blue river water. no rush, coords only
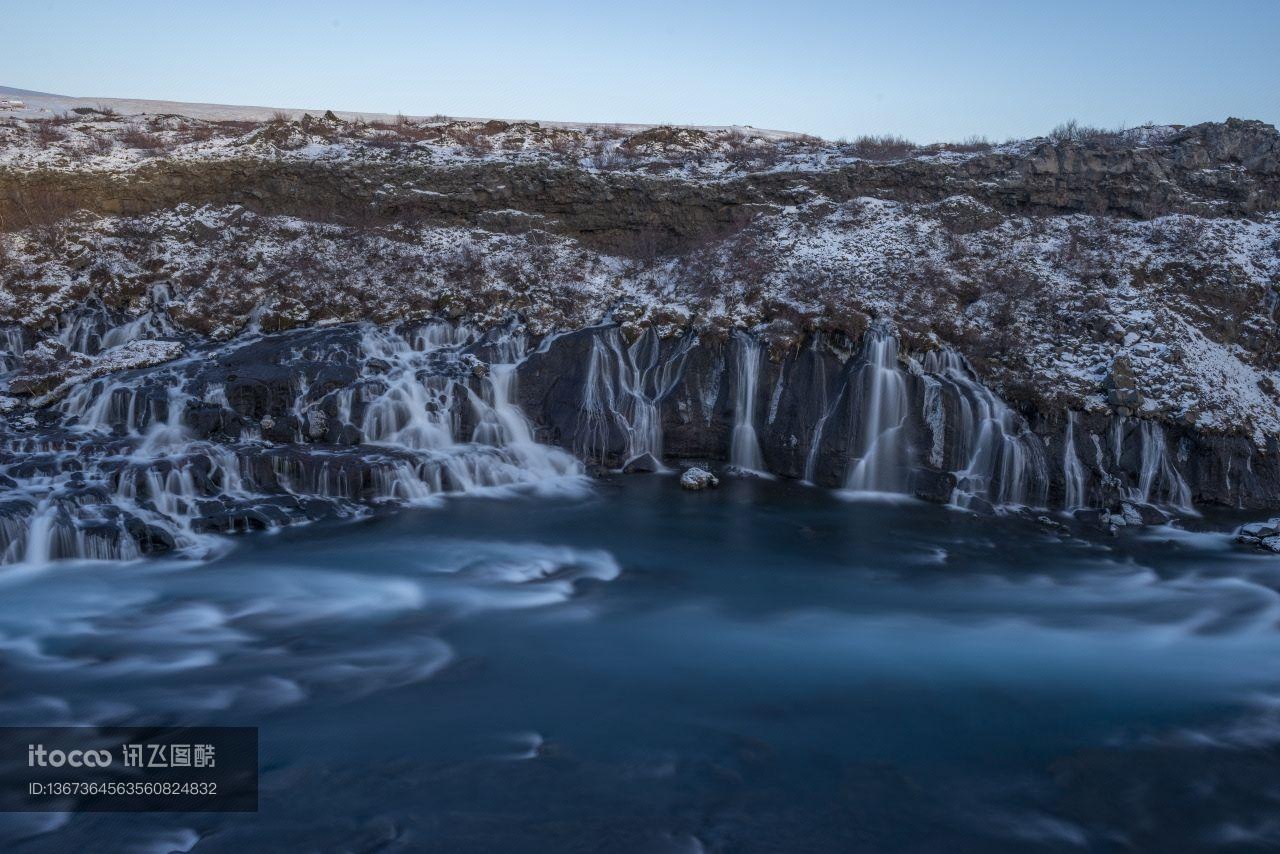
(763, 667)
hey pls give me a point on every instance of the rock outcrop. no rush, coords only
(698, 478)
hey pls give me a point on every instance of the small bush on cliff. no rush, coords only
(968, 145)
(1072, 131)
(884, 147)
(607, 157)
(136, 137)
(47, 132)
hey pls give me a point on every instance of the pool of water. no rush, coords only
(763, 667)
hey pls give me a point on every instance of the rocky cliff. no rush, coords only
(217, 325)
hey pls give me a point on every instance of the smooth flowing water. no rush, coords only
(744, 450)
(762, 667)
(883, 398)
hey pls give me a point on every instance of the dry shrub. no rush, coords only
(136, 137)
(385, 140)
(564, 145)
(401, 129)
(883, 147)
(1071, 131)
(465, 269)
(474, 140)
(234, 127)
(967, 145)
(752, 153)
(608, 158)
(42, 211)
(47, 132)
(101, 143)
(201, 132)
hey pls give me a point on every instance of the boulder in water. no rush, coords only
(930, 485)
(646, 463)
(1135, 514)
(698, 478)
(151, 539)
(1260, 530)
(1261, 535)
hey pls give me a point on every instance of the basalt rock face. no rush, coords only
(958, 443)
(323, 423)
(813, 404)
(610, 401)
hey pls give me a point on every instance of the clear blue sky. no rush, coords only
(928, 70)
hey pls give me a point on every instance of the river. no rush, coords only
(633, 667)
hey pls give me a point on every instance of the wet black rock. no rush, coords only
(646, 463)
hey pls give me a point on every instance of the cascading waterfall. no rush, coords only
(127, 473)
(39, 532)
(744, 451)
(880, 463)
(500, 422)
(370, 415)
(935, 416)
(826, 407)
(1073, 474)
(417, 412)
(1003, 461)
(170, 435)
(13, 348)
(92, 329)
(1159, 481)
(621, 393)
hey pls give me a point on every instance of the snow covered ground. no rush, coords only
(1042, 306)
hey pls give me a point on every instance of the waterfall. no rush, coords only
(39, 532)
(1073, 476)
(880, 461)
(92, 329)
(1159, 481)
(128, 472)
(827, 407)
(13, 348)
(168, 436)
(935, 416)
(1003, 460)
(621, 394)
(501, 423)
(417, 411)
(744, 451)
